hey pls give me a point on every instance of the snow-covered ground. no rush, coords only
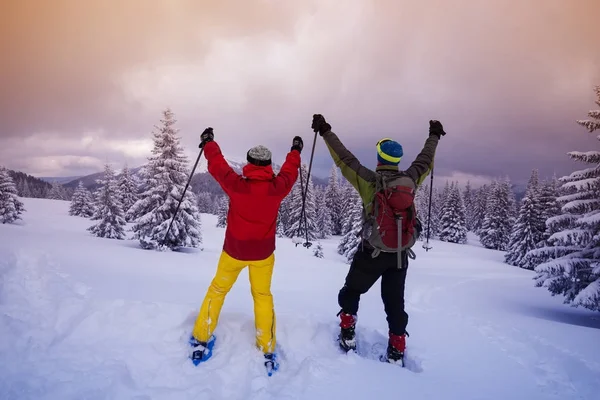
(89, 318)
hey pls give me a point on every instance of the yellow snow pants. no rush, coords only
(228, 271)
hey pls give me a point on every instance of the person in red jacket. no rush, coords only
(254, 200)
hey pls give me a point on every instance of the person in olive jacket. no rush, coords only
(370, 262)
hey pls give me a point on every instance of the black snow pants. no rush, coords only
(364, 272)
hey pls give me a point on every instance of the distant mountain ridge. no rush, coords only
(89, 181)
(30, 186)
(59, 179)
(201, 182)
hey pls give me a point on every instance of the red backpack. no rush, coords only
(393, 213)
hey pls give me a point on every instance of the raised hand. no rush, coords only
(207, 136)
(297, 144)
(320, 125)
(436, 128)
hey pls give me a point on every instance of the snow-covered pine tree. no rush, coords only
(108, 210)
(11, 207)
(593, 124)
(479, 206)
(422, 201)
(496, 227)
(469, 199)
(223, 211)
(333, 200)
(575, 270)
(216, 201)
(129, 192)
(349, 197)
(283, 216)
(351, 240)
(528, 230)
(279, 229)
(27, 189)
(352, 203)
(311, 207)
(513, 204)
(422, 207)
(205, 203)
(57, 192)
(297, 224)
(18, 184)
(555, 222)
(549, 193)
(324, 223)
(439, 199)
(82, 203)
(24, 189)
(165, 176)
(452, 221)
(445, 194)
(318, 250)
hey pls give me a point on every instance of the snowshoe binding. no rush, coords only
(271, 363)
(201, 351)
(347, 337)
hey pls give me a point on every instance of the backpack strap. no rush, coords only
(399, 253)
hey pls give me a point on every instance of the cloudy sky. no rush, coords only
(83, 82)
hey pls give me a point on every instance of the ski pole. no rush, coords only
(183, 194)
(303, 211)
(303, 202)
(307, 244)
(426, 245)
(312, 155)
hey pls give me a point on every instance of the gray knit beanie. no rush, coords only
(259, 155)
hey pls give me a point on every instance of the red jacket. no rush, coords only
(254, 200)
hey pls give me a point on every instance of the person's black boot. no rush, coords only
(347, 338)
(396, 348)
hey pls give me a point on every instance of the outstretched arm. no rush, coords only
(357, 174)
(423, 164)
(362, 178)
(219, 168)
(285, 179)
(420, 168)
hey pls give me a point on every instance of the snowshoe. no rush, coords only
(347, 337)
(393, 356)
(271, 363)
(201, 351)
(395, 350)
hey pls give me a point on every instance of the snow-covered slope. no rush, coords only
(89, 318)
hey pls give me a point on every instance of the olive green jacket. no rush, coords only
(364, 179)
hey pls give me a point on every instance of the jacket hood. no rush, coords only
(261, 173)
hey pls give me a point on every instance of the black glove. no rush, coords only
(207, 136)
(320, 125)
(436, 128)
(297, 144)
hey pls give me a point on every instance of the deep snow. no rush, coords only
(89, 318)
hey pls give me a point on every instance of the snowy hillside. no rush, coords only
(89, 318)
